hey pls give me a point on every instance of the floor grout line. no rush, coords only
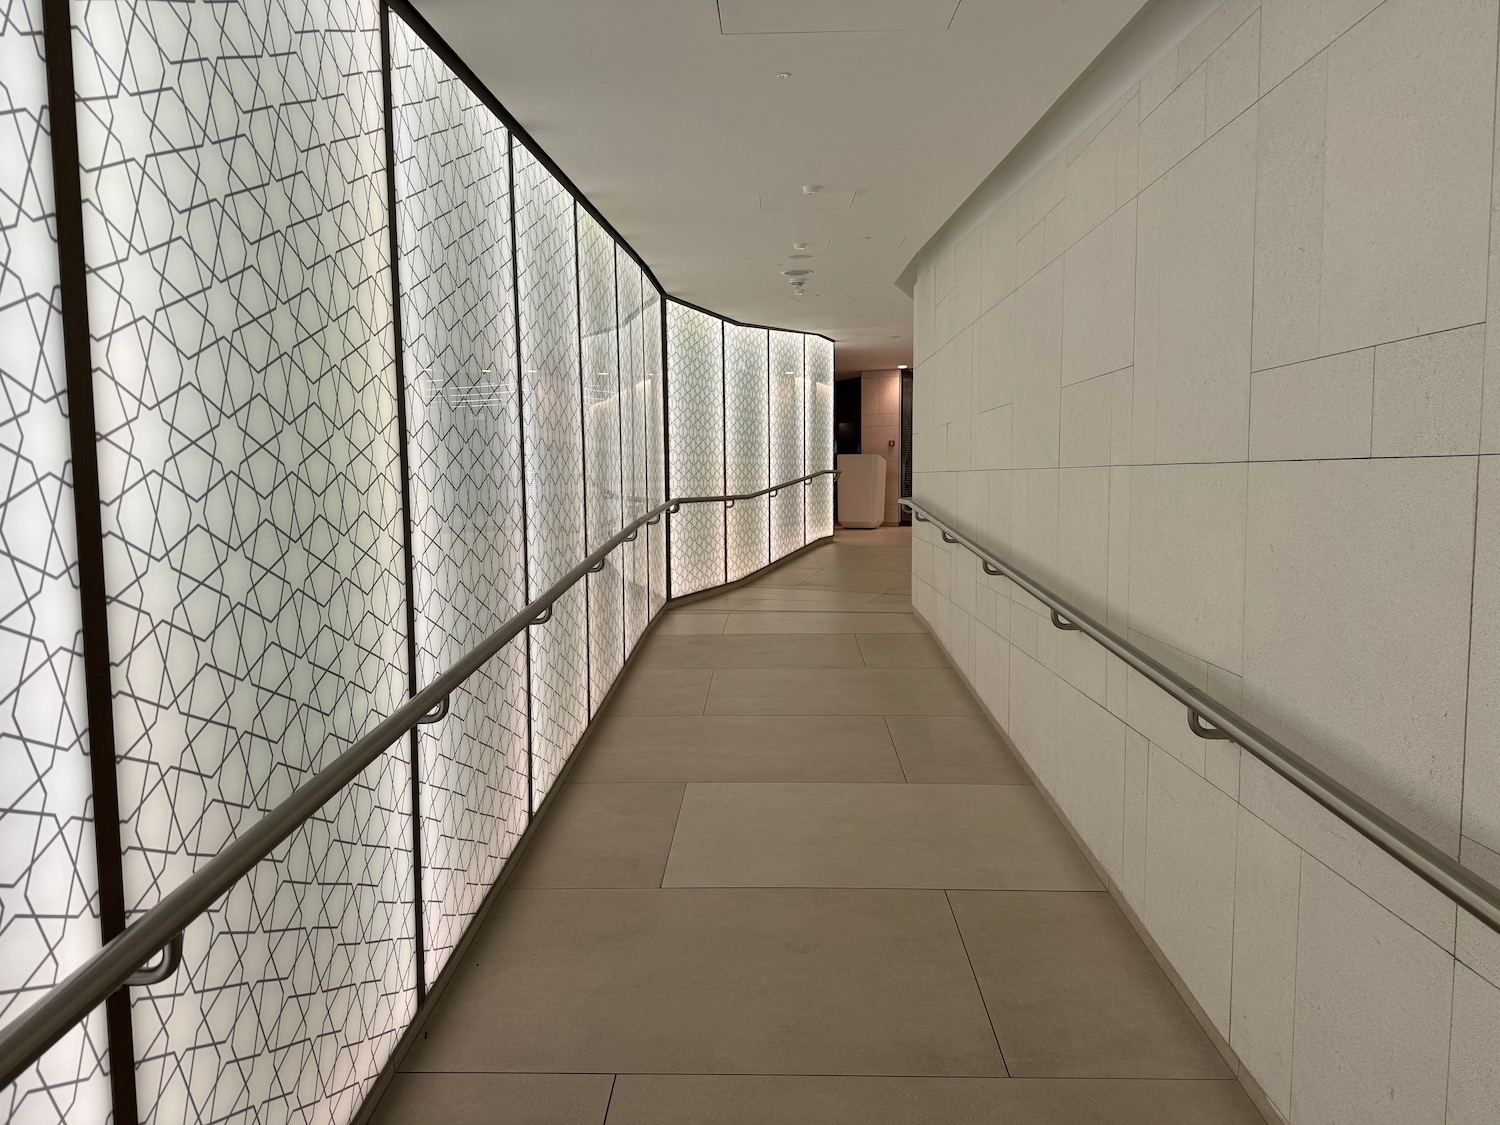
(839, 1074)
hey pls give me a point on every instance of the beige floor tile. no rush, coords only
(902, 600)
(774, 603)
(796, 835)
(696, 1099)
(868, 580)
(739, 748)
(897, 650)
(495, 1099)
(662, 691)
(678, 623)
(953, 749)
(839, 691)
(838, 599)
(822, 622)
(873, 537)
(603, 836)
(752, 650)
(718, 603)
(716, 982)
(1073, 993)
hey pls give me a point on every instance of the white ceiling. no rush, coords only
(670, 117)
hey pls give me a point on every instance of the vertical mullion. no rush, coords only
(583, 444)
(515, 309)
(666, 438)
(724, 431)
(620, 445)
(404, 467)
(78, 368)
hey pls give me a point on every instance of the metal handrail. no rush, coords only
(159, 930)
(1478, 896)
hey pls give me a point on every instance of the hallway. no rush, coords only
(795, 875)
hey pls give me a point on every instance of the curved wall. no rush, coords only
(368, 375)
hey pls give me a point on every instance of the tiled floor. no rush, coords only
(797, 877)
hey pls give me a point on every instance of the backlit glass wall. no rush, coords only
(453, 200)
(368, 377)
(695, 443)
(552, 402)
(603, 443)
(751, 408)
(746, 438)
(788, 454)
(818, 366)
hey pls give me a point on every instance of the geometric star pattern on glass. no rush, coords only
(463, 448)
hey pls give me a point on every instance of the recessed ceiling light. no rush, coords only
(783, 74)
(799, 257)
(796, 273)
(901, 367)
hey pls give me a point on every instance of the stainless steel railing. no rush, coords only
(1208, 718)
(159, 930)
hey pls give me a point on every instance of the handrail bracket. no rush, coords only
(171, 961)
(1203, 730)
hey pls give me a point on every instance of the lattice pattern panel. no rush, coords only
(628, 279)
(653, 395)
(695, 424)
(603, 441)
(746, 438)
(788, 401)
(48, 883)
(246, 399)
(819, 363)
(547, 262)
(463, 447)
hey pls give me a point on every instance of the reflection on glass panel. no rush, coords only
(745, 446)
(633, 405)
(787, 402)
(656, 458)
(552, 405)
(695, 402)
(49, 896)
(604, 477)
(819, 355)
(463, 424)
(254, 543)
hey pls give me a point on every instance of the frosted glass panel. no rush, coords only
(787, 405)
(602, 418)
(552, 397)
(246, 399)
(745, 446)
(49, 892)
(695, 401)
(633, 405)
(819, 359)
(653, 374)
(463, 424)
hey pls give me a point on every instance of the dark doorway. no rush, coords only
(847, 414)
(906, 395)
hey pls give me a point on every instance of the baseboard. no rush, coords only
(1247, 1081)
